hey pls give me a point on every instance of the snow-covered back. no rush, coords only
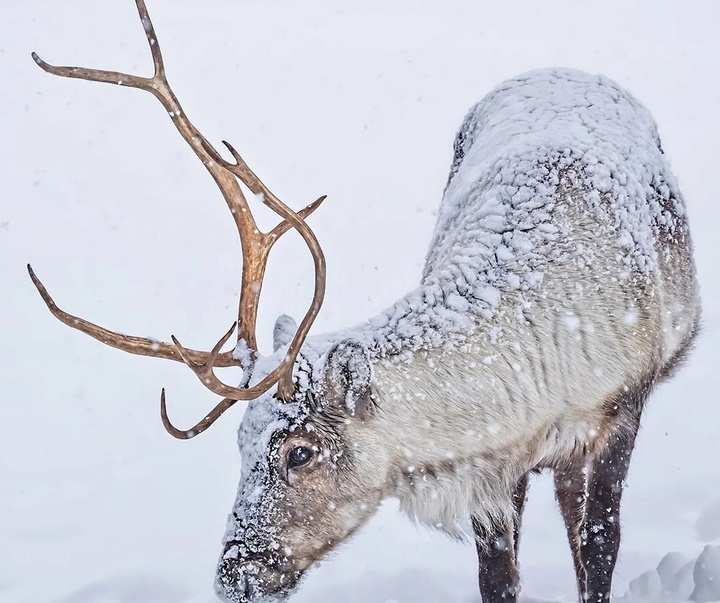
(498, 227)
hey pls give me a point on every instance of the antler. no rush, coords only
(256, 246)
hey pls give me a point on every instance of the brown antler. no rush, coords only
(128, 343)
(255, 244)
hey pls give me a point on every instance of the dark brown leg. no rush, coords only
(519, 498)
(589, 495)
(497, 554)
(571, 494)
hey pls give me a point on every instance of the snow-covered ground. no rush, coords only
(359, 101)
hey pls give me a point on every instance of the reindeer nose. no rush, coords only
(252, 578)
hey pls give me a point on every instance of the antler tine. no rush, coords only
(284, 226)
(127, 343)
(151, 38)
(209, 360)
(201, 426)
(117, 77)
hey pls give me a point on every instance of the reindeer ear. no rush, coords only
(346, 380)
(283, 331)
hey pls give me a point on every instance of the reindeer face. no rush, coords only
(310, 478)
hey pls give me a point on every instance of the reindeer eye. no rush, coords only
(299, 456)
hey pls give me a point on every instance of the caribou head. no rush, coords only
(304, 488)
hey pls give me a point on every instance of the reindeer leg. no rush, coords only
(600, 532)
(497, 554)
(571, 494)
(589, 495)
(519, 498)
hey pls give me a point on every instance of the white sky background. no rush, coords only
(359, 101)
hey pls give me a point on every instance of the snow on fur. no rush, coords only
(494, 235)
(506, 216)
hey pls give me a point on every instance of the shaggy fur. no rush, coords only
(559, 288)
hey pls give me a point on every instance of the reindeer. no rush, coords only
(559, 289)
